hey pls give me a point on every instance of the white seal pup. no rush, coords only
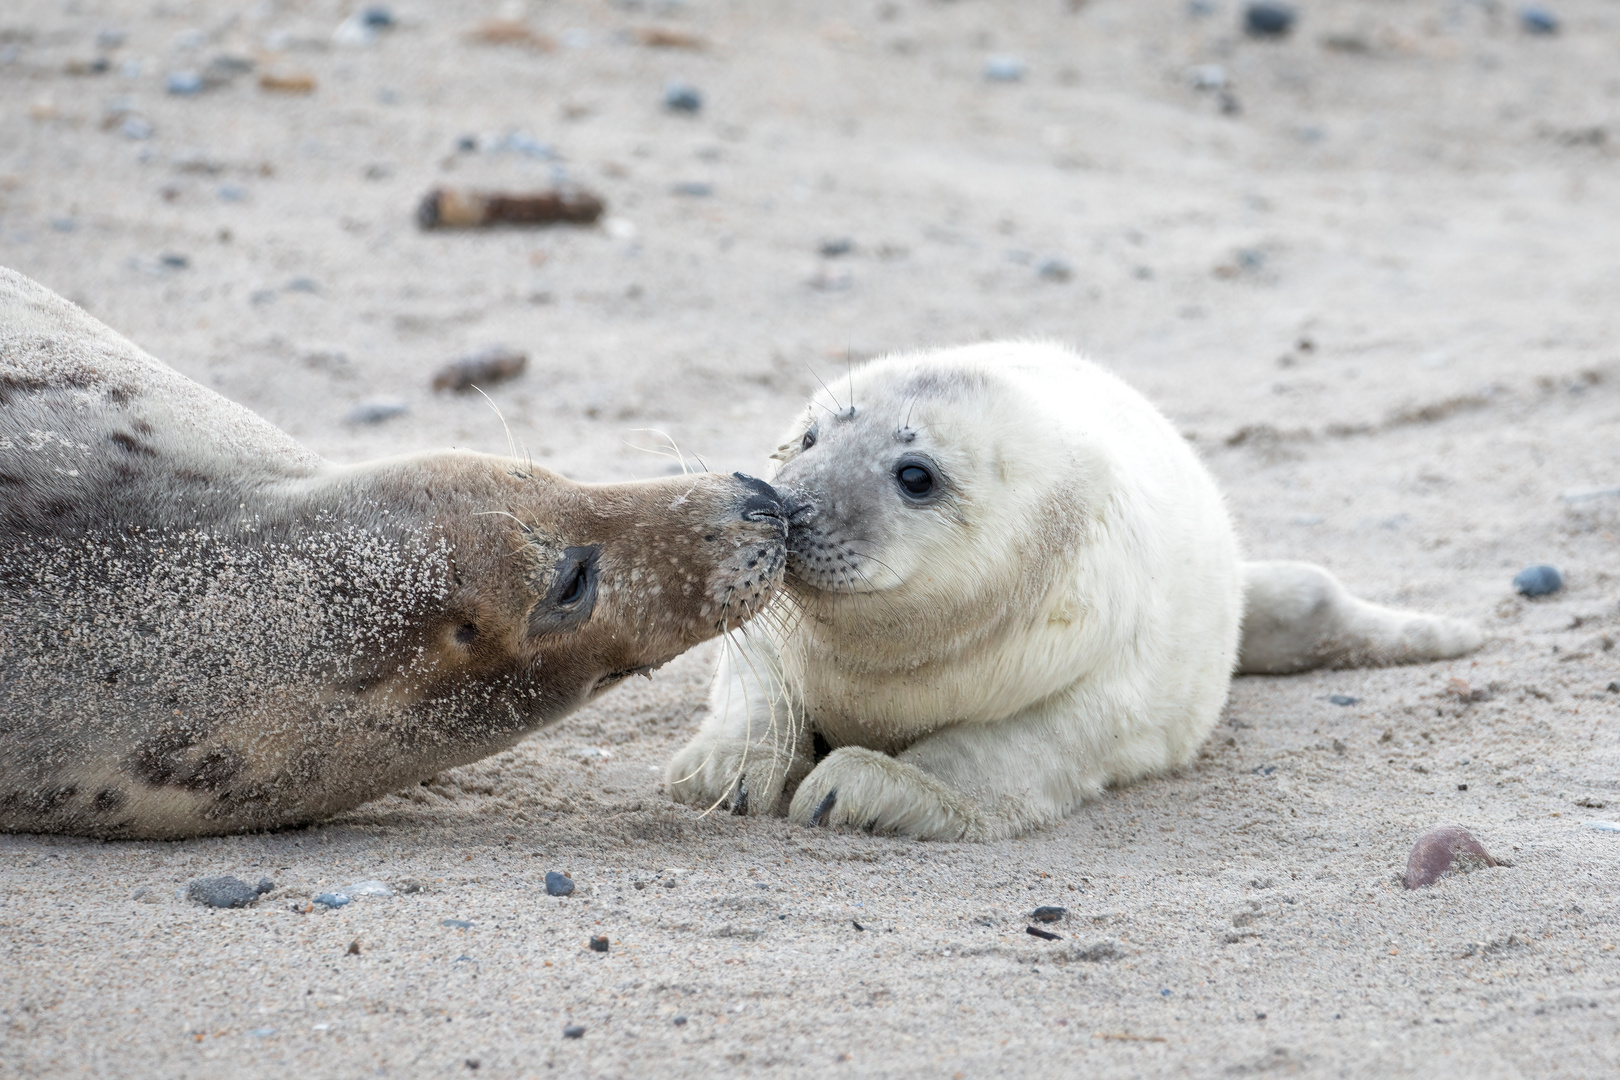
(1011, 584)
(206, 628)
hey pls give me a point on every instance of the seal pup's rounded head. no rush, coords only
(942, 489)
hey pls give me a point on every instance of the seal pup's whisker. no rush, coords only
(825, 387)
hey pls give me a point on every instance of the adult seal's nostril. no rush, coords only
(762, 502)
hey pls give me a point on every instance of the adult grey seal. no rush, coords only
(206, 628)
(1011, 584)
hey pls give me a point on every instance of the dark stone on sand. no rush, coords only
(1537, 20)
(375, 412)
(833, 247)
(1055, 269)
(332, 899)
(1444, 850)
(1343, 699)
(681, 97)
(487, 366)
(574, 1031)
(1048, 914)
(378, 17)
(679, 1021)
(599, 943)
(1044, 935)
(558, 884)
(1538, 580)
(227, 892)
(456, 924)
(1268, 20)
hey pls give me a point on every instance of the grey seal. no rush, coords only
(206, 628)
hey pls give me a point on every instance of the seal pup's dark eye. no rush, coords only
(915, 480)
(808, 441)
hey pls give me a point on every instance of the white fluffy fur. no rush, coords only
(1065, 619)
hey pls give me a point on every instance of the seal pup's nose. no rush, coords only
(762, 500)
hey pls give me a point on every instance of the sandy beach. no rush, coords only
(1368, 267)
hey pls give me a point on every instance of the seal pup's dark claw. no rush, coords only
(824, 808)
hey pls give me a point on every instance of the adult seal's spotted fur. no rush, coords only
(1011, 584)
(206, 628)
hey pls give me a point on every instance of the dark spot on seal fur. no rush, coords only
(142, 427)
(159, 759)
(465, 633)
(57, 508)
(215, 769)
(39, 802)
(130, 444)
(107, 800)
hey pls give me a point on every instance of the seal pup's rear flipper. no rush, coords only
(1297, 616)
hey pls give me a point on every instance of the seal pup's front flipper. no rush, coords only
(1297, 616)
(964, 782)
(754, 745)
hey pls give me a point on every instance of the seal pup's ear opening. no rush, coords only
(569, 601)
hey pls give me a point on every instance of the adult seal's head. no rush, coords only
(206, 628)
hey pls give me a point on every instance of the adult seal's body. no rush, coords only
(1011, 584)
(206, 628)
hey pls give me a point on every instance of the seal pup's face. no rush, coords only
(935, 498)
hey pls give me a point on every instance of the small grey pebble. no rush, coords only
(183, 83)
(1538, 580)
(599, 943)
(456, 924)
(1268, 20)
(1047, 913)
(1536, 19)
(1343, 699)
(110, 39)
(679, 1021)
(227, 892)
(64, 224)
(174, 261)
(136, 128)
(374, 412)
(1004, 69)
(682, 97)
(834, 247)
(379, 17)
(1055, 269)
(303, 284)
(574, 1031)
(558, 884)
(692, 189)
(332, 899)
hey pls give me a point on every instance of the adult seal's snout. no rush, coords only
(762, 500)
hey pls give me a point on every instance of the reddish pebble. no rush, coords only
(1443, 850)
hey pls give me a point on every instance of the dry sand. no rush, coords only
(1382, 297)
